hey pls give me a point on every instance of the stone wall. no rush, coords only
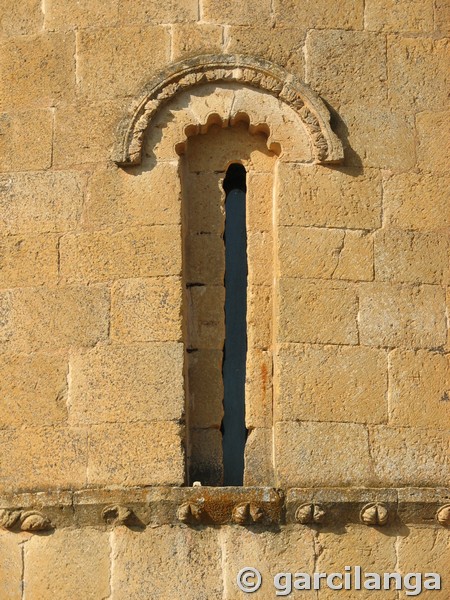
(118, 120)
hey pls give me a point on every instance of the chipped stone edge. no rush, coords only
(246, 70)
(215, 506)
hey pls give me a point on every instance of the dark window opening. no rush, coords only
(234, 432)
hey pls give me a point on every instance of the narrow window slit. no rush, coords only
(234, 432)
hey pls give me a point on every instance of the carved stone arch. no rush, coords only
(244, 70)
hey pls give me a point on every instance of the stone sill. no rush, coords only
(214, 506)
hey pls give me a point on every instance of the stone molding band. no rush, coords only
(215, 506)
(249, 71)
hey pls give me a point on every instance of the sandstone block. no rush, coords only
(193, 39)
(356, 257)
(415, 16)
(402, 315)
(46, 319)
(281, 45)
(320, 15)
(26, 140)
(40, 202)
(28, 260)
(425, 550)
(204, 202)
(205, 456)
(332, 197)
(145, 11)
(206, 321)
(258, 458)
(417, 201)
(146, 310)
(417, 380)
(33, 389)
(236, 13)
(244, 547)
(259, 255)
(418, 72)
(25, 18)
(410, 456)
(375, 137)
(259, 198)
(108, 255)
(329, 383)
(37, 71)
(442, 16)
(318, 312)
(145, 563)
(42, 458)
(371, 549)
(136, 454)
(205, 388)
(258, 389)
(68, 564)
(204, 259)
(433, 131)
(61, 16)
(347, 67)
(115, 61)
(259, 316)
(133, 197)
(11, 567)
(315, 454)
(409, 257)
(127, 383)
(85, 133)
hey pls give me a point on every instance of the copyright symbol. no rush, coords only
(249, 580)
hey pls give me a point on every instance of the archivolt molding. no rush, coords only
(248, 71)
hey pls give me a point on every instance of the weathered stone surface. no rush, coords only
(347, 67)
(259, 316)
(313, 454)
(42, 458)
(317, 311)
(144, 310)
(417, 380)
(145, 563)
(281, 45)
(114, 61)
(40, 202)
(412, 16)
(367, 547)
(206, 323)
(203, 200)
(193, 39)
(68, 564)
(136, 454)
(25, 18)
(37, 71)
(425, 550)
(108, 255)
(320, 15)
(258, 388)
(204, 259)
(28, 260)
(402, 315)
(145, 11)
(377, 137)
(339, 197)
(205, 403)
(61, 16)
(331, 384)
(259, 199)
(236, 13)
(442, 16)
(409, 257)
(260, 257)
(418, 72)
(134, 197)
(11, 567)
(205, 456)
(242, 547)
(410, 456)
(433, 153)
(258, 469)
(127, 383)
(33, 389)
(48, 319)
(26, 140)
(417, 201)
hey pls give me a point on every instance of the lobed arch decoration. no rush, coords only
(245, 71)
